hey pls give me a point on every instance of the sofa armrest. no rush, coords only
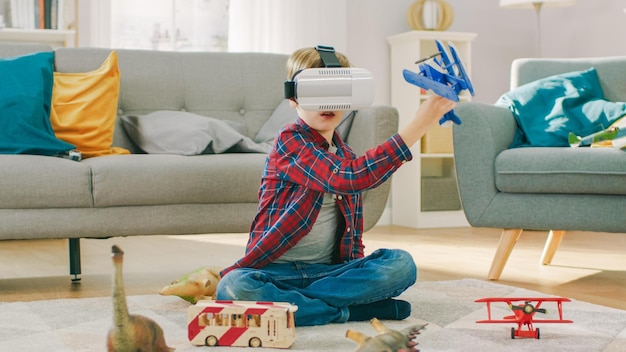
(371, 127)
(486, 130)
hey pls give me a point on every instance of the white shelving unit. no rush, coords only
(424, 192)
(64, 36)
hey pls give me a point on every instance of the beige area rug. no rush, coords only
(448, 307)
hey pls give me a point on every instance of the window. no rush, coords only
(276, 26)
(174, 25)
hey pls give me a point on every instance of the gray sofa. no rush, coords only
(547, 188)
(162, 194)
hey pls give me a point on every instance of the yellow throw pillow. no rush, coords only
(84, 108)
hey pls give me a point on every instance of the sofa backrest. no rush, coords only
(611, 72)
(17, 49)
(240, 87)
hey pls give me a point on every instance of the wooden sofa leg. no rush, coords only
(507, 241)
(552, 243)
(75, 259)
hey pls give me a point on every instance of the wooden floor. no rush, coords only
(587, 266)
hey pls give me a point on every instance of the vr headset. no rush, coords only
(332, 87)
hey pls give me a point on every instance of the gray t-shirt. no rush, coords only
(318, 246)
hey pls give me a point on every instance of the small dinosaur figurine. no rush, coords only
(194, 286)
(387, 340)
(131, 332)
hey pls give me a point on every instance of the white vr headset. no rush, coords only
(332, 87)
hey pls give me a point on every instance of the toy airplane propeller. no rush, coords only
(444, 77)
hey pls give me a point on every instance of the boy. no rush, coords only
(305, 245)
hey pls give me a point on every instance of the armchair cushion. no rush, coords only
(561, 171)
(548, 109)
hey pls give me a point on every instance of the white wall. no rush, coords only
(590, 28)
(370, 23)
(283, 26)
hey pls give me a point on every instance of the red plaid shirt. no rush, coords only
(298, 171)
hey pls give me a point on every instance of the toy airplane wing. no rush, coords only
(552, 321)
(447, 64)
(462, 74)
(455, 67)
(496, 321)
(428, 84)
(510, 302)
(512, 319)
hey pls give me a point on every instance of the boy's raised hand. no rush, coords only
(427, 115)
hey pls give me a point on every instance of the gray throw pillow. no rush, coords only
(343, 129)
(179, 132)
(285, 114)
(281, 116)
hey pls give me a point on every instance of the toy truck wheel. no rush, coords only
(512, 333)
(254, 342)
(211, 341)
(538, 334)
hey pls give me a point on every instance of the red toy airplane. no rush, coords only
(524, 314)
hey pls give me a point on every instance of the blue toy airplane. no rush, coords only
(444, 77)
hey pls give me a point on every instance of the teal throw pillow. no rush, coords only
(25, 98)
(547, 110)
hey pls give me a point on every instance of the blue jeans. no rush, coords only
(323, 292)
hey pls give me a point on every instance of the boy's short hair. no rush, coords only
(309, 58)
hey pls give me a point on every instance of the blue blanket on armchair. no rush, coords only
(547, 110)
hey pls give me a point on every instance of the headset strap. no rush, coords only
(327, 54)
(329, 59)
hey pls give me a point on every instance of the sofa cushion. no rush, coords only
(35, 182)
(548, 109)
(157, 179)
(84, 108)
(25, 95)
(562, 170)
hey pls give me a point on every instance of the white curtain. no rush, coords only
(282, 26)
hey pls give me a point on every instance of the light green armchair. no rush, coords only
(557, 189)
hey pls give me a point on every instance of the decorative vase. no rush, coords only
(434, 15)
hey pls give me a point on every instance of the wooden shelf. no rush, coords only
(54, 37)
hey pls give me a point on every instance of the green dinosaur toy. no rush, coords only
(194, 286)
